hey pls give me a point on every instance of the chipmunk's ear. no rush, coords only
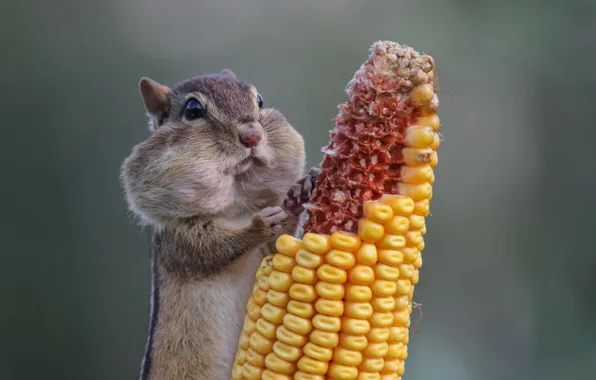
(155, 96)
(228, 73)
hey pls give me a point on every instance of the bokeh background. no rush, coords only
(508, 285)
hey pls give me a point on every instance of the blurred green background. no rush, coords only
(509, 278)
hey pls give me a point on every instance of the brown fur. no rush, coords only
(211, 222)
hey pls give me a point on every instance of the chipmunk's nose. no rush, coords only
(250, 134)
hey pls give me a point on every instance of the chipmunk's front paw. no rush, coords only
(270, 221)
(301, 192)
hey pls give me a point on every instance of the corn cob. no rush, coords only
(336, 304)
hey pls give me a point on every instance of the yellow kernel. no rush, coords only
(422, 94)
(316, 243)
(422, 207)
(390, 376)
(410, 254)
(276, 364)
(344, 241)
(260, 344)
(371, 365)
(416, 222)
(430, 121)
(386, 272)
(310, 365)
(268, 269)
(286, 352)
(400, 204)
(390, 241)
(391, 257)
(301, 309)
(287, 245)
(403, 286)
(270, 375)
(391, 366)
(283, 263)
(354, 326)
(241, 356)
(340, 259)
(420, 246)
(330, 291)
(347, 357)
(307, 376)
(415, 277)
(370, 231)
(260, 297)
(383, 303)
(368, 376)
(423, 230)
(353, 342)
(264, 283)
(255, 286)
(273, 313)
(287, 336)
(411, 293)
(397, 333)
(381, 319)
(419, 137)
(413, 238)
(378, 334)
(415, 156)
(366, 254)
(331, 274)
(401, 302)
(416, 174)
(404, 353)
(255, 358)
(277, 298)
(431, 180)
(361, 275)
(434, 160)
(406, 270)
(401, 318)
(361, 310)
(249, 325)
(342, 372)
(266, 328)
(326, 323)
(418, 262)
(253, 310)
(436, 142)
(302, 292)
(383, 288)
(394, 349)
(237, 372)
(318, 352)
(304, 275)
(399, 225)
(250, 372)
(297, 324)
(400, 370)
(244, 341)
(325, 339)
(334, 308)
(308, 259)
(280, 281)
(377, 211)
(376, 350)
(358, 293)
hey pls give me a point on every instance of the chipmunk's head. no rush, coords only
(214, 148)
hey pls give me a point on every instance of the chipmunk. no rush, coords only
(217, 181)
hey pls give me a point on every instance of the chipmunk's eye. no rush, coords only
(260, 100)
(194, 110)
